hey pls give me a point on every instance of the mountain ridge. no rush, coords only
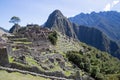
(107, 22)
(3, 29)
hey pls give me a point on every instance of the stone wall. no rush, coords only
(38, 71)
(9, 49)
(3, 57)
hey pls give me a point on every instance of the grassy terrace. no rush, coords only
(64, 45)
(61, 47)
(32, 62)
(20, 42)
(18, 76)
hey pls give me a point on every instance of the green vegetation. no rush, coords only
(98, 64)
(11, 59)
(67, 73)
(19, 42)
(113, 77)
(4, 75)
(15, 20)
(20, 39)
(53, 38)
(31, 61)
(64, 44)
(91, 61)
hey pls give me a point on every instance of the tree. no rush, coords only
(99, 76)
(53, 38)
(94, 70)
(15, 20)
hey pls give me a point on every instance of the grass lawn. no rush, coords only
(4, 75)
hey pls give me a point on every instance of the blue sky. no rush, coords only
(37, 11)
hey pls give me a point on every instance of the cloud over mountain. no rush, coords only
(109, 6)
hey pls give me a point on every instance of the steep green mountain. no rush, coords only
(108, 22)
(98, 39)
(91, 36)
(57, 21)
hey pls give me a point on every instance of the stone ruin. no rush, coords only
(5, 50)
(4, 61)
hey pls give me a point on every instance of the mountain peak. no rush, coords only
(57, 13)
(57, 21)
(53, 19)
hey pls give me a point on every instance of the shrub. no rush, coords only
(94, 70)
(75, 58)
(53, 38)
(99, 76)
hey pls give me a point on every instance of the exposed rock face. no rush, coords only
(57, 21)
(14, 29)
(97, 39)
(3, 57)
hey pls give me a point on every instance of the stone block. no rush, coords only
(3, 57)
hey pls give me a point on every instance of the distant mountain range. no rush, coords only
(107, 22)
(3, 29)
(88, 35)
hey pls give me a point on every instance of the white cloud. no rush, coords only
(115, 2)
(111, 5)
(107, 7)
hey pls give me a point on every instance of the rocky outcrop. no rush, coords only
(57, 21)
(14, 29)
